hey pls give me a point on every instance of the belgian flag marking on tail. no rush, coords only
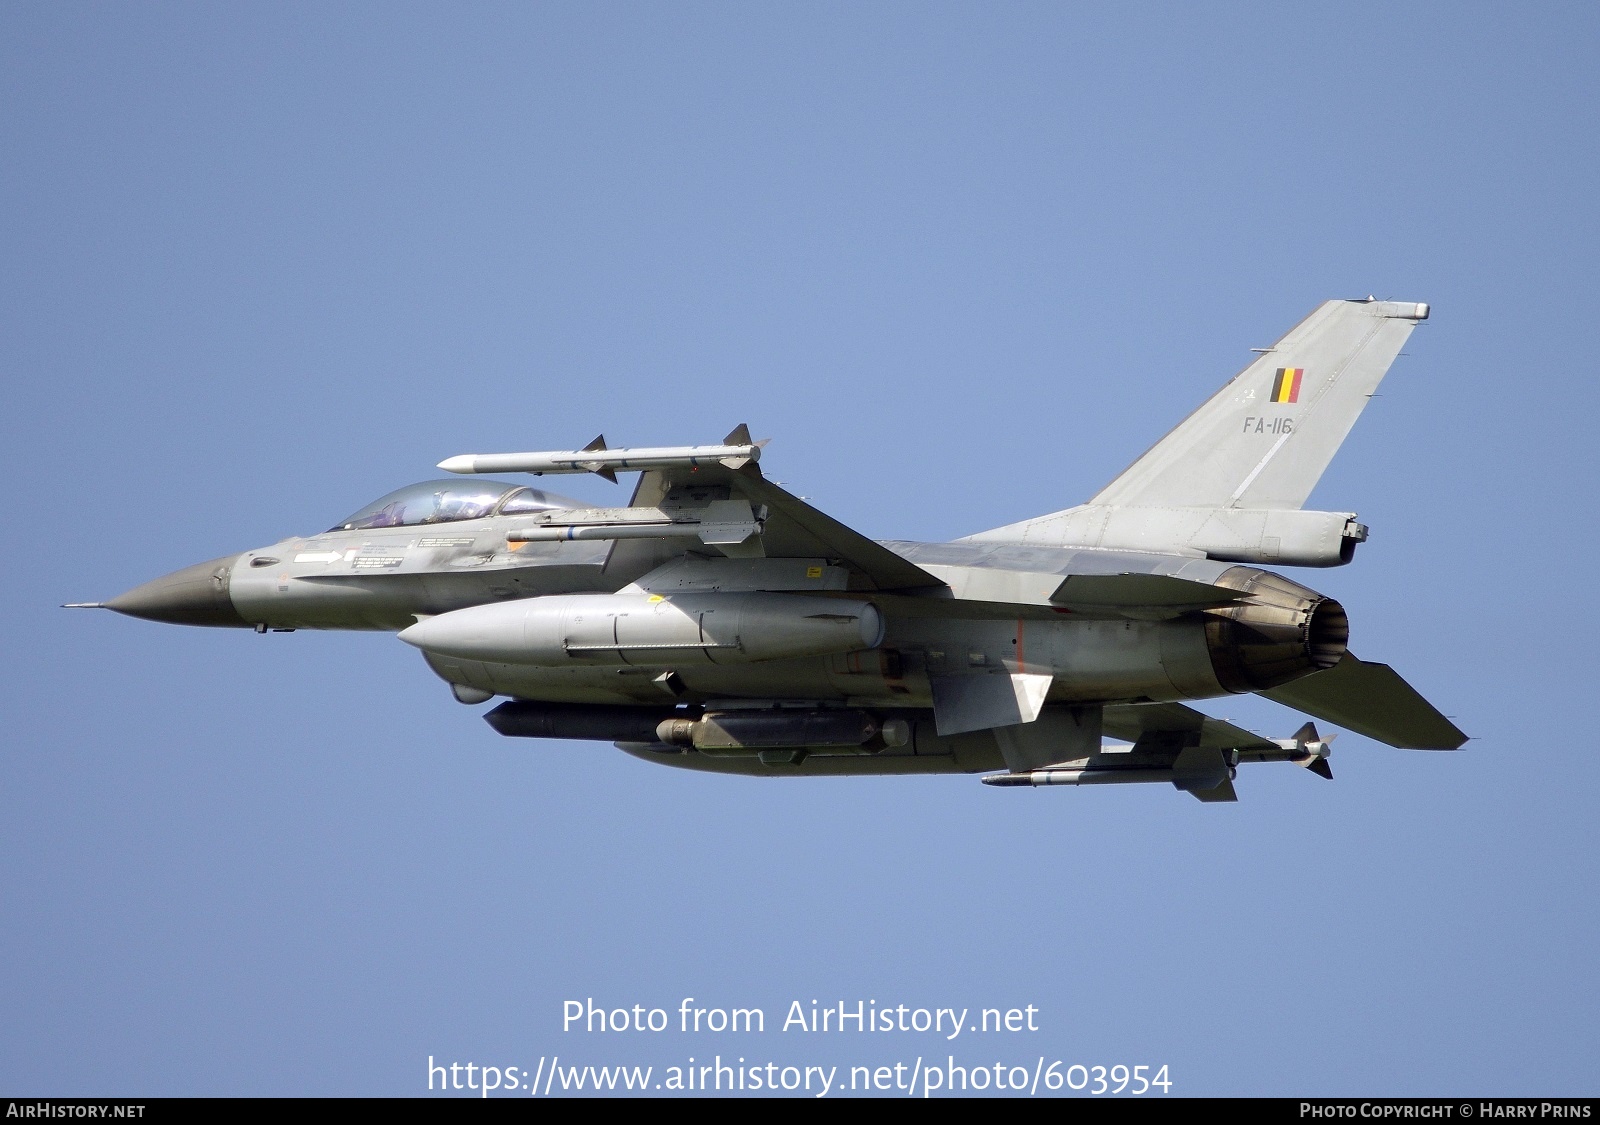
(1286, 387)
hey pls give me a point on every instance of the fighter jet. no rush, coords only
(718, 622)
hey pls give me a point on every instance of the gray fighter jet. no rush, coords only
(720, 623)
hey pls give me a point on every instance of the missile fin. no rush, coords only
(1220, 792)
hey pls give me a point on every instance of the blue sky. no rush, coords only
(961, 263)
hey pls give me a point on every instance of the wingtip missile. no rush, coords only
(605, 461)
(1311, 750)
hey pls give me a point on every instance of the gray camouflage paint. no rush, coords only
(1015, 648)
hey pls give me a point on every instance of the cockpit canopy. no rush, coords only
(447, 501)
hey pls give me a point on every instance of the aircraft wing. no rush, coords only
(789, 527)
(1131, 722)
(1373, 700)
(1170, 735)
(698, 500)
(794, 529)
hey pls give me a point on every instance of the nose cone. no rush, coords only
(195, 595)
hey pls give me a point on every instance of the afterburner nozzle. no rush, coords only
(1279, 633)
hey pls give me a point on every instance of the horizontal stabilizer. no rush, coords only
(1373, 700)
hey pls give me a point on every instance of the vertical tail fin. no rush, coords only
(1265, 438)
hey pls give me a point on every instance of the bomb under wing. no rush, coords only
(718, 622)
